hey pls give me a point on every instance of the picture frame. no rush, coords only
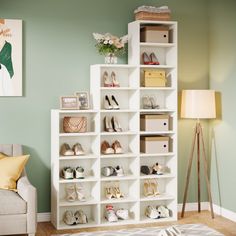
(69, 103)
(83, 100)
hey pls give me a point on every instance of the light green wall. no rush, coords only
(223, 79)
(58, 49)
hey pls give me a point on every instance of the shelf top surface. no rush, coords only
(152, 22)
(127, 66)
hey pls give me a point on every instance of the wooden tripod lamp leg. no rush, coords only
(189, 171)
(206, 173)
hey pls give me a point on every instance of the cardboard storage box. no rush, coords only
(154, 34)
(154, 123)
(154, 144)
(154, 78)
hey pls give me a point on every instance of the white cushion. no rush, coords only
(11, 203)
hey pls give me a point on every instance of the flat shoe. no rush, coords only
(66, 150)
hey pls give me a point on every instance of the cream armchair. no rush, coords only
(18, 210)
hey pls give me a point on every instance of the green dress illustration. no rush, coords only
(5, 58)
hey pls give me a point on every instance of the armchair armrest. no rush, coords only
(29, 193)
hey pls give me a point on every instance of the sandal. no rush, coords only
(70, 193)
(154, 186)
(147, 190)
(109, 193)
(110, 214)
(80, 193)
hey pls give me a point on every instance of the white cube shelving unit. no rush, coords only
(129, 96)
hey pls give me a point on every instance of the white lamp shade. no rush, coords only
(198, 104)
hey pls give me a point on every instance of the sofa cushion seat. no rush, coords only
(11, 203)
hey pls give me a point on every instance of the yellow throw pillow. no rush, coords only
(10, 171)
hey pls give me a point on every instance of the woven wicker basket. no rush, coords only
(142, 15)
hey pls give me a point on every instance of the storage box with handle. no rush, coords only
(154, 122)
(154, 34)
(154, 78)
(75, 124)
(154, 144)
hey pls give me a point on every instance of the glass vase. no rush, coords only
(110, 58)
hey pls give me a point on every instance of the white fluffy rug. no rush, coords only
(187, 230)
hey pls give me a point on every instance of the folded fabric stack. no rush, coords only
(152, 13)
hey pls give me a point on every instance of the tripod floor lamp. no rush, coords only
(198, 104)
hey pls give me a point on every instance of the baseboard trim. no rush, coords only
(46, 216)
(230, 215)
(193, 206)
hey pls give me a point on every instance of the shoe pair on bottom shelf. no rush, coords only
(115, 148)
(170, 231)
(78, 217)
(150, 188)
(110, 171)
(76, 150)
(112, 125)
(110, 81)
(112, 216)
(75, 192)
(112, 191)
(70, 173)
(149, 102)
(158, 212)
(111, 103)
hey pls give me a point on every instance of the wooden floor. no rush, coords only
(221, 224)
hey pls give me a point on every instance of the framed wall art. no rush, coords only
(10, 57)
(69, 102)
(83, 100)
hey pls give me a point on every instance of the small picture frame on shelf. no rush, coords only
(83, 100)
(69, 102)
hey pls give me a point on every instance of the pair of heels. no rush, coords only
(111, 103)
(150, 60)
(150, 188)
(76, 150)
(110, 81)
(113, 191)
(111, 125)
(74, 192)
(115, 148)
(149, 102)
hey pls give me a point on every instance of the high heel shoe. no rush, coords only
(154, 60)
(115, 82)
(108, 125)
(106, 148)
(107, 103)
(77, 149)
(117, 192)
(115, 124)
(153, 103)
(147, 190)
(117, 147)
(146, 59)
(146, 102)
(154, 186)
(108, 193)
(114, 104)
(106, 81)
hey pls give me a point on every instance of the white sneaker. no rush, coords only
(67, 173)
(69, 218)
(122, 214)
(119, 171)
(79, 172)
(164, 211)
(110, 214)
(152, 212)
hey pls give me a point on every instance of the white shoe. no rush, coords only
(119, 171)
(107, 103)
(152, 212)
(122, 214)
(79, 172)
(110, 214)
(114, 103)
(164, 211)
